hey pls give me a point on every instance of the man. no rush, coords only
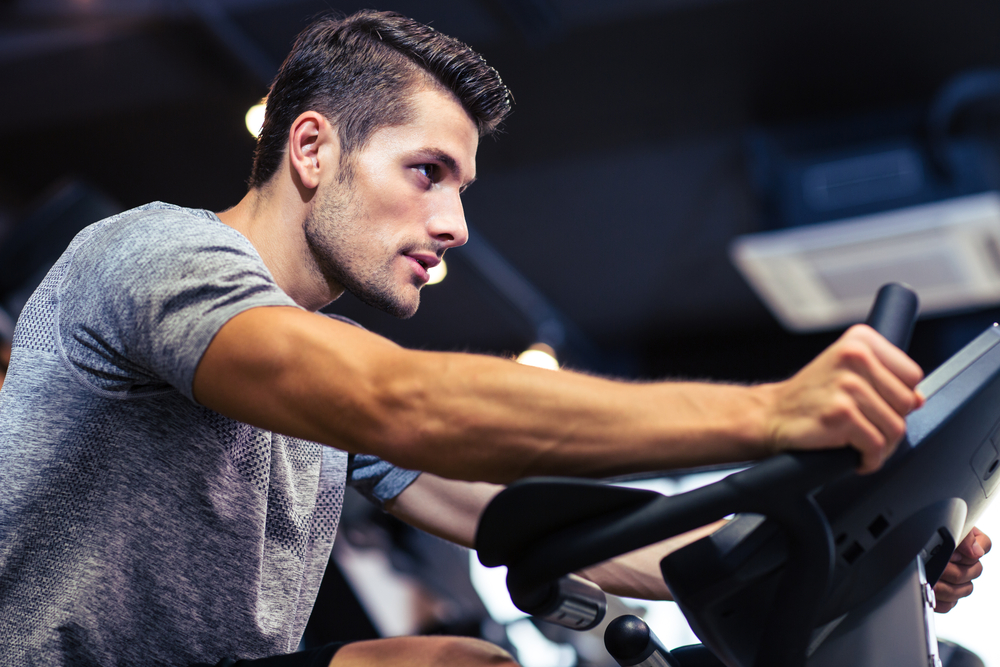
(176, 423)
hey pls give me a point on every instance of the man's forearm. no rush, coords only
(446, 508)
(637, 574)
(483, 418)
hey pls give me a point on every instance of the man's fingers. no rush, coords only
(947, 595)
(975, 545)
(983, 540)
(894, 359)
(889, 423)
(956, 580)
(951, 593)
(958, 574)
(964, 547)
(897, 396)
(879, 379)
(864, 436)
(870, 425)
(895, 390)
(944, 607)
(969, 550)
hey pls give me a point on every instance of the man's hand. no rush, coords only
(856, 393)
(956, 581)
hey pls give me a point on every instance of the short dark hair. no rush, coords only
(358, 72)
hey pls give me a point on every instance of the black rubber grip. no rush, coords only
(627, 638)
(632, 644)
(894, 313)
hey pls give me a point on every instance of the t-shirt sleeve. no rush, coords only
(377, 480)
(145, 293)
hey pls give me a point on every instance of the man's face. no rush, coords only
(377, 233)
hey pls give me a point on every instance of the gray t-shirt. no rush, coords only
(136, 526)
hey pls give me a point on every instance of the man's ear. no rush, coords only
(313, 146)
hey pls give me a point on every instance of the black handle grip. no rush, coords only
(632, 644)
(570, 601)
(894, 313)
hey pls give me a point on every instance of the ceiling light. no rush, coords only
(539, 355)
(255, 119)
(824, 276)
(436, 274)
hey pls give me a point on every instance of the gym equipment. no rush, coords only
(819, 566)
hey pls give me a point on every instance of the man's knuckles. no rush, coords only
(866, 348)
(840, 411)
(852, 384)
(861, 332)
(953, 592)
(959, 573)
(843, 416)
(855, 355)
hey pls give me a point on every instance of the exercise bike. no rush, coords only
(818, 567)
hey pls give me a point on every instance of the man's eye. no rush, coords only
(428, 170)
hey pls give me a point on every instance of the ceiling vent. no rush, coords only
(824, 276)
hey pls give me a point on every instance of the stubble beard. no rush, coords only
(332, 242)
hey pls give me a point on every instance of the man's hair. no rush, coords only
(359, 73)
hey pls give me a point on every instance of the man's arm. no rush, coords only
(447, 508)
(475, 417)
(450, 509)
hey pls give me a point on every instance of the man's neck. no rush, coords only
(272, 221)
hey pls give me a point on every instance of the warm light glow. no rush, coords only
(255, 119)
(539, 355)
(437, 273)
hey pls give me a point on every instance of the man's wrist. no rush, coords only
(757, 425)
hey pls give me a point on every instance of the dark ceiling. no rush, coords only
(614, 189)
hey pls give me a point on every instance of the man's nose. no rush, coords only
(448, 226)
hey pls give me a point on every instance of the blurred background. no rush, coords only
(686, 188)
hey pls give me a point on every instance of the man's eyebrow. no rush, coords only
(449, 162)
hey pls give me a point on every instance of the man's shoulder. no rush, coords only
(159, 249)
(154, 232)
(165, 208)
(167, 220)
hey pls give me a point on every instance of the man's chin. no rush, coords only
(404, 313)
(394, 305)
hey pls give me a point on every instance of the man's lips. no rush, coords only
(422, 262)
(426, 259)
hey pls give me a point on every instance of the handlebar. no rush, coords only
(894, 314)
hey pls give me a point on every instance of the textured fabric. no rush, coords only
(318, 657)
(376, 479)
(136, 526)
